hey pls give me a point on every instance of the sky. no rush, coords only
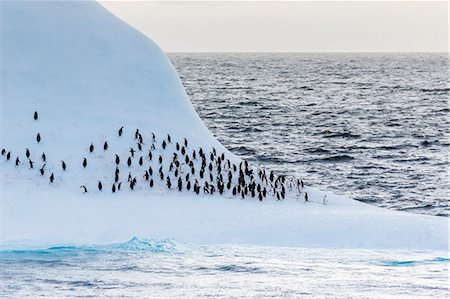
(296, 26)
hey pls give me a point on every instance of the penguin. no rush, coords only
(117, 160)
(324, 200)
(129, 161)
(84, 189)
(113, 188)
(146, 175)
(180, 184)
(139, 147)
(161, 175)
(120, 131)
(160, 160)
(84, 162)
(131, 185)
(105, 146)
(306, 196)
(168, 182)
(153, 137)
(151, 183)
(52, 178)
(3, 152)
(38, 137)
(43, 157)
(17, 161)
(42, 169)
(63, 165)
(260, 197)
(132, 152)
(100, 186)
(185, 142)
(136, 134)
(163, 145)
(129, 177)
(91, 148)
(31, 164)
(188, 185)
(141, 161)
(27, 153)
(116, 177)
(140, 139)
(150, 170)
(8, 156)
(119, 186)
(168, 138)
(35, 115)
(149, 155)
(183, 151)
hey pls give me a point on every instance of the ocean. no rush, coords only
(374, 127)
(168, 269)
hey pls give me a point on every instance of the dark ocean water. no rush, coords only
(374, 127)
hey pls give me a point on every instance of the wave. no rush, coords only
(337, 158)
(435, 90)
(133, 245)
(343, 135)
(410, 263)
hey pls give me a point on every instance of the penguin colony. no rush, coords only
(188, 169)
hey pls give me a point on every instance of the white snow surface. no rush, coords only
(87, 73)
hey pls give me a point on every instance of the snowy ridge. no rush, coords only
(94, 75)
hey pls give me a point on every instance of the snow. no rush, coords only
(88, 73)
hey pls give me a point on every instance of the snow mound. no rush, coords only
(87, 74)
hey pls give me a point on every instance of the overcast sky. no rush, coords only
(319, 26)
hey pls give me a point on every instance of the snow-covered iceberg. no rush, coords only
(87, 74)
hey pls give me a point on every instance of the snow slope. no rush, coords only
(87, 74)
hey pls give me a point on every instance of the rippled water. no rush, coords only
(374, 127)
(167, 269)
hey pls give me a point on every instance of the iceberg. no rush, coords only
(87, 74)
